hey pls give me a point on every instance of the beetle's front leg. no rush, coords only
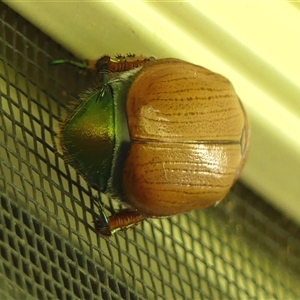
(121, 220)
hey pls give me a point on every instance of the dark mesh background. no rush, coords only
(241, 249)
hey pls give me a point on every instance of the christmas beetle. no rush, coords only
(163, 137)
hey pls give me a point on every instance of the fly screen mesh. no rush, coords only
(241, 249)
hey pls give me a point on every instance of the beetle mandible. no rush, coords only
(164, 137)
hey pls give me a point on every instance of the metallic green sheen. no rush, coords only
(88, 137)
(95, 137)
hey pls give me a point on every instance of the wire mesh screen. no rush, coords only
(241, 249)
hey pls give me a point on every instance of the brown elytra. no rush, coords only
(190, 138)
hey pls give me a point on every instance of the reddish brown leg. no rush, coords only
(119, 221)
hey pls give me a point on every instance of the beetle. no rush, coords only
(164, 137)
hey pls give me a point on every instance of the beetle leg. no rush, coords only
(119, 221)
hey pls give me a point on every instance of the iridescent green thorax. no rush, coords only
(95, 136)
(88, 137)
